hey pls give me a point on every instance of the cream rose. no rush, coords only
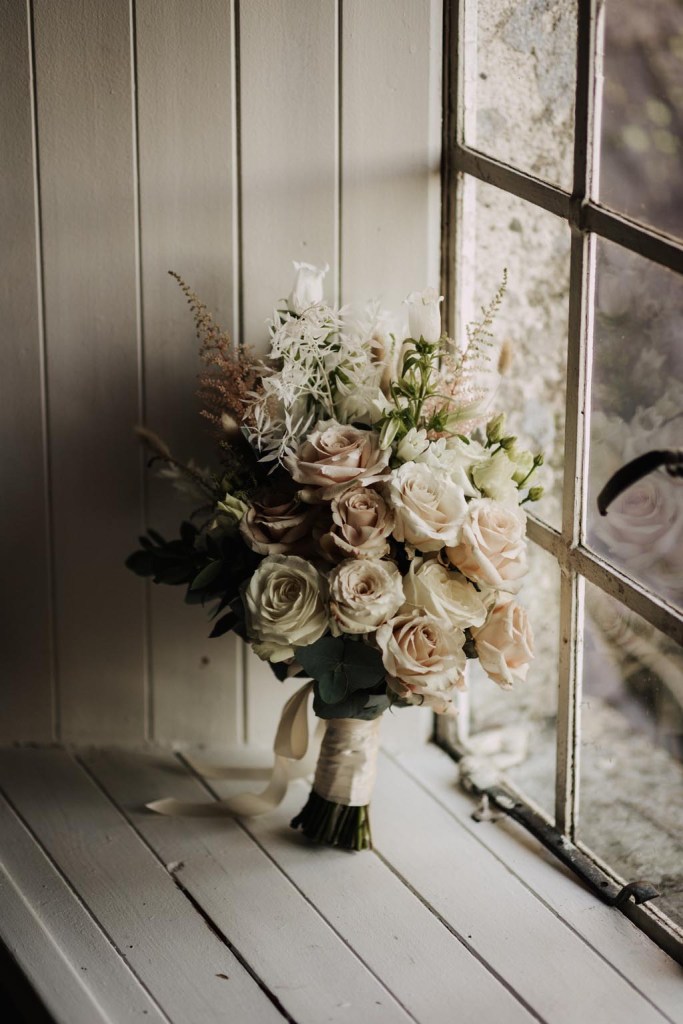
(364, 593)
(361, 523)
(505, 644)
(333, 457)
(285, 603)
(278, 524)
(495, 478)
(429, 508)
(424, 659)
(443, 593)
(492, 547)
(456, 459)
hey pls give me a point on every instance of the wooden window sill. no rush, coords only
(114, 914)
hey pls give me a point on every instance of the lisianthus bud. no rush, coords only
(535, 494)
(388, 433)
(232, 507)
(494, 428)
(424, 317)
(308, 286)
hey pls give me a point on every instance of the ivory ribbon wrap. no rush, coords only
(293, 759)
(347, 765)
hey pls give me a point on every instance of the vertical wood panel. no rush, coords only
(185, 128)
(391, 111)
(289, 146)
(86, 159)
(25, 694)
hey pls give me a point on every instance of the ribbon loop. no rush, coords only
(290, 748)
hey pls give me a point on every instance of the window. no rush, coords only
(562, 150)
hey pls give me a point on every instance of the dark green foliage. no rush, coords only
(212, 566)
(348, 675)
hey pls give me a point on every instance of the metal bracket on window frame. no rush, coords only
(497, 802)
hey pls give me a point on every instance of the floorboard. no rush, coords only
(423, 964)
(522, 940)
(610, 934)
(62, 949)
(182, 963)
(281, 934)
(119, 915)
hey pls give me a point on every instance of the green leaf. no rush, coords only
(174, 575)
(363, 664)
(141, 563)
(356, 705)
(206, 576)
(341, 666)
(224, 625)
(321, 659)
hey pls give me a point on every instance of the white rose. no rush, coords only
(456, 458)
(443, 593)
(364, 593)
(413, 444)
(505, 644)
(495, 478)
(424, 659)
(429, 508)
(285, 605)
(308, 286)
(424, 317)
(492, 548)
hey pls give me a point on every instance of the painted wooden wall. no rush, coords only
(222, 139)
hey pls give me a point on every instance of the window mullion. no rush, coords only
(581, 285)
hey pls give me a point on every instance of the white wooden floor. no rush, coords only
(119, 915)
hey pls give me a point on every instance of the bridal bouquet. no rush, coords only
(363, 526)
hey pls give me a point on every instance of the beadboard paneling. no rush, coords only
(185, 72)
(224, 140)
(26, 690)
(290, 210)
(390, 177)
(391, 124)
(86, 159)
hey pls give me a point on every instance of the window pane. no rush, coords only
(631, 813)
(642, 126)
(520, 71)
(637, 407)
(505, 232)
(516, 728)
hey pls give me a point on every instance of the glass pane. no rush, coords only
(637, 407)
(520, 72)
(515, 728)
(501, 231)
(631, 812)
(642, 138)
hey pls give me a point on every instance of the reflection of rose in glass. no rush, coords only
(643, 529)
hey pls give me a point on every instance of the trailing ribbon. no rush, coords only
(291, 762)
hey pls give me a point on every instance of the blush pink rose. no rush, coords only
(424, 659)
(505, 644)
(361, 523)
(492, 547)
(333, 456)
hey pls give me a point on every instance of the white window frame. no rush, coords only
(588, 221)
